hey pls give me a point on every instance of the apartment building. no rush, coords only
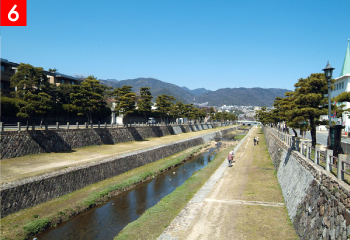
(8, 69)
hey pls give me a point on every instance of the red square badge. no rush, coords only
(13, 13)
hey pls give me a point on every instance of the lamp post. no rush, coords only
(328, 72)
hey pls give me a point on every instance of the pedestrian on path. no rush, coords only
(257, 140)
(254, 141)
(230, 158)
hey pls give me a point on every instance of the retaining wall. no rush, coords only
(35, 190)
(15, 144)
(317, 202)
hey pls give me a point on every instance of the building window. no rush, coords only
(2, 68)
(62, 81)
(342, 85)
(337, 86)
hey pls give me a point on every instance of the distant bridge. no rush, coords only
(248, 123)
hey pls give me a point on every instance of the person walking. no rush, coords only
(230, 158)
(254, 141)
(257, 140)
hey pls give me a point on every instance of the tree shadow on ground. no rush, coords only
(105, 136)
(157, 131)
(49, 141)
(183, 128)
(171, 130)
(135, 134)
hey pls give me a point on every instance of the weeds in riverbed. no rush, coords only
(36, 226)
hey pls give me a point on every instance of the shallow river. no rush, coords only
(107, 220)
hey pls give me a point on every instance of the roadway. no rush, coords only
(321, 137)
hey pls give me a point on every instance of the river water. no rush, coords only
(107, 220)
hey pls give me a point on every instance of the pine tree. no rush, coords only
(310, 103)
(33, 87)
(145, 102)
(164, 104)
(88, 97)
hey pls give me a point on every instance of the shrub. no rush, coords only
(36, 226)
(9, 106)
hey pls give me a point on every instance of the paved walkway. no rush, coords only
(242, 202)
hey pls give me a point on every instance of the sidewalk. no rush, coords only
(245, 202)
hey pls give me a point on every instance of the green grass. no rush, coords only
(36, 226)
(153, 222)
(239, 137)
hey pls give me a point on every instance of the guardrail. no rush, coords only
(319, 154)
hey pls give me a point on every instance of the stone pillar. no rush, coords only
(308, 149)
(33, 126)
(317, 154)
(289, 141)
(113, 118)
(77, 125)
(86, 125)
(341, 166)
(329, 153)
(297, 144)
(57, 125)
(105, 124)
(67, 125)
(18, 126)
(1, 126)
(46, 126)
(92, 125)
(98, 124)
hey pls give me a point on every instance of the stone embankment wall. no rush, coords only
(35, 190)
(318, 204)
(15, 144)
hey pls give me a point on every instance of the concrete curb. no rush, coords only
(190, 211)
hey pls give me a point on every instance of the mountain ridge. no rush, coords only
(256, 96)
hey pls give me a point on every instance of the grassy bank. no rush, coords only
(153, 222)
(28, 222)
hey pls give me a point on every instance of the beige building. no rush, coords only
(8, 69)
(59, 78)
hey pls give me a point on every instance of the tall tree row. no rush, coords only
(35, 96)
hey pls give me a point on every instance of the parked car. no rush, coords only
(151, 120)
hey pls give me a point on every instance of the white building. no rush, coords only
(342, 84)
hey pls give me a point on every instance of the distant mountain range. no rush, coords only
(225, 96)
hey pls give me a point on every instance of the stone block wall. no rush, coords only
(317, 202)
(16, 144)
(29, 192)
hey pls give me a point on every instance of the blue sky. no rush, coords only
(211, 44)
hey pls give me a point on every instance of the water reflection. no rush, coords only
(106, 221)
